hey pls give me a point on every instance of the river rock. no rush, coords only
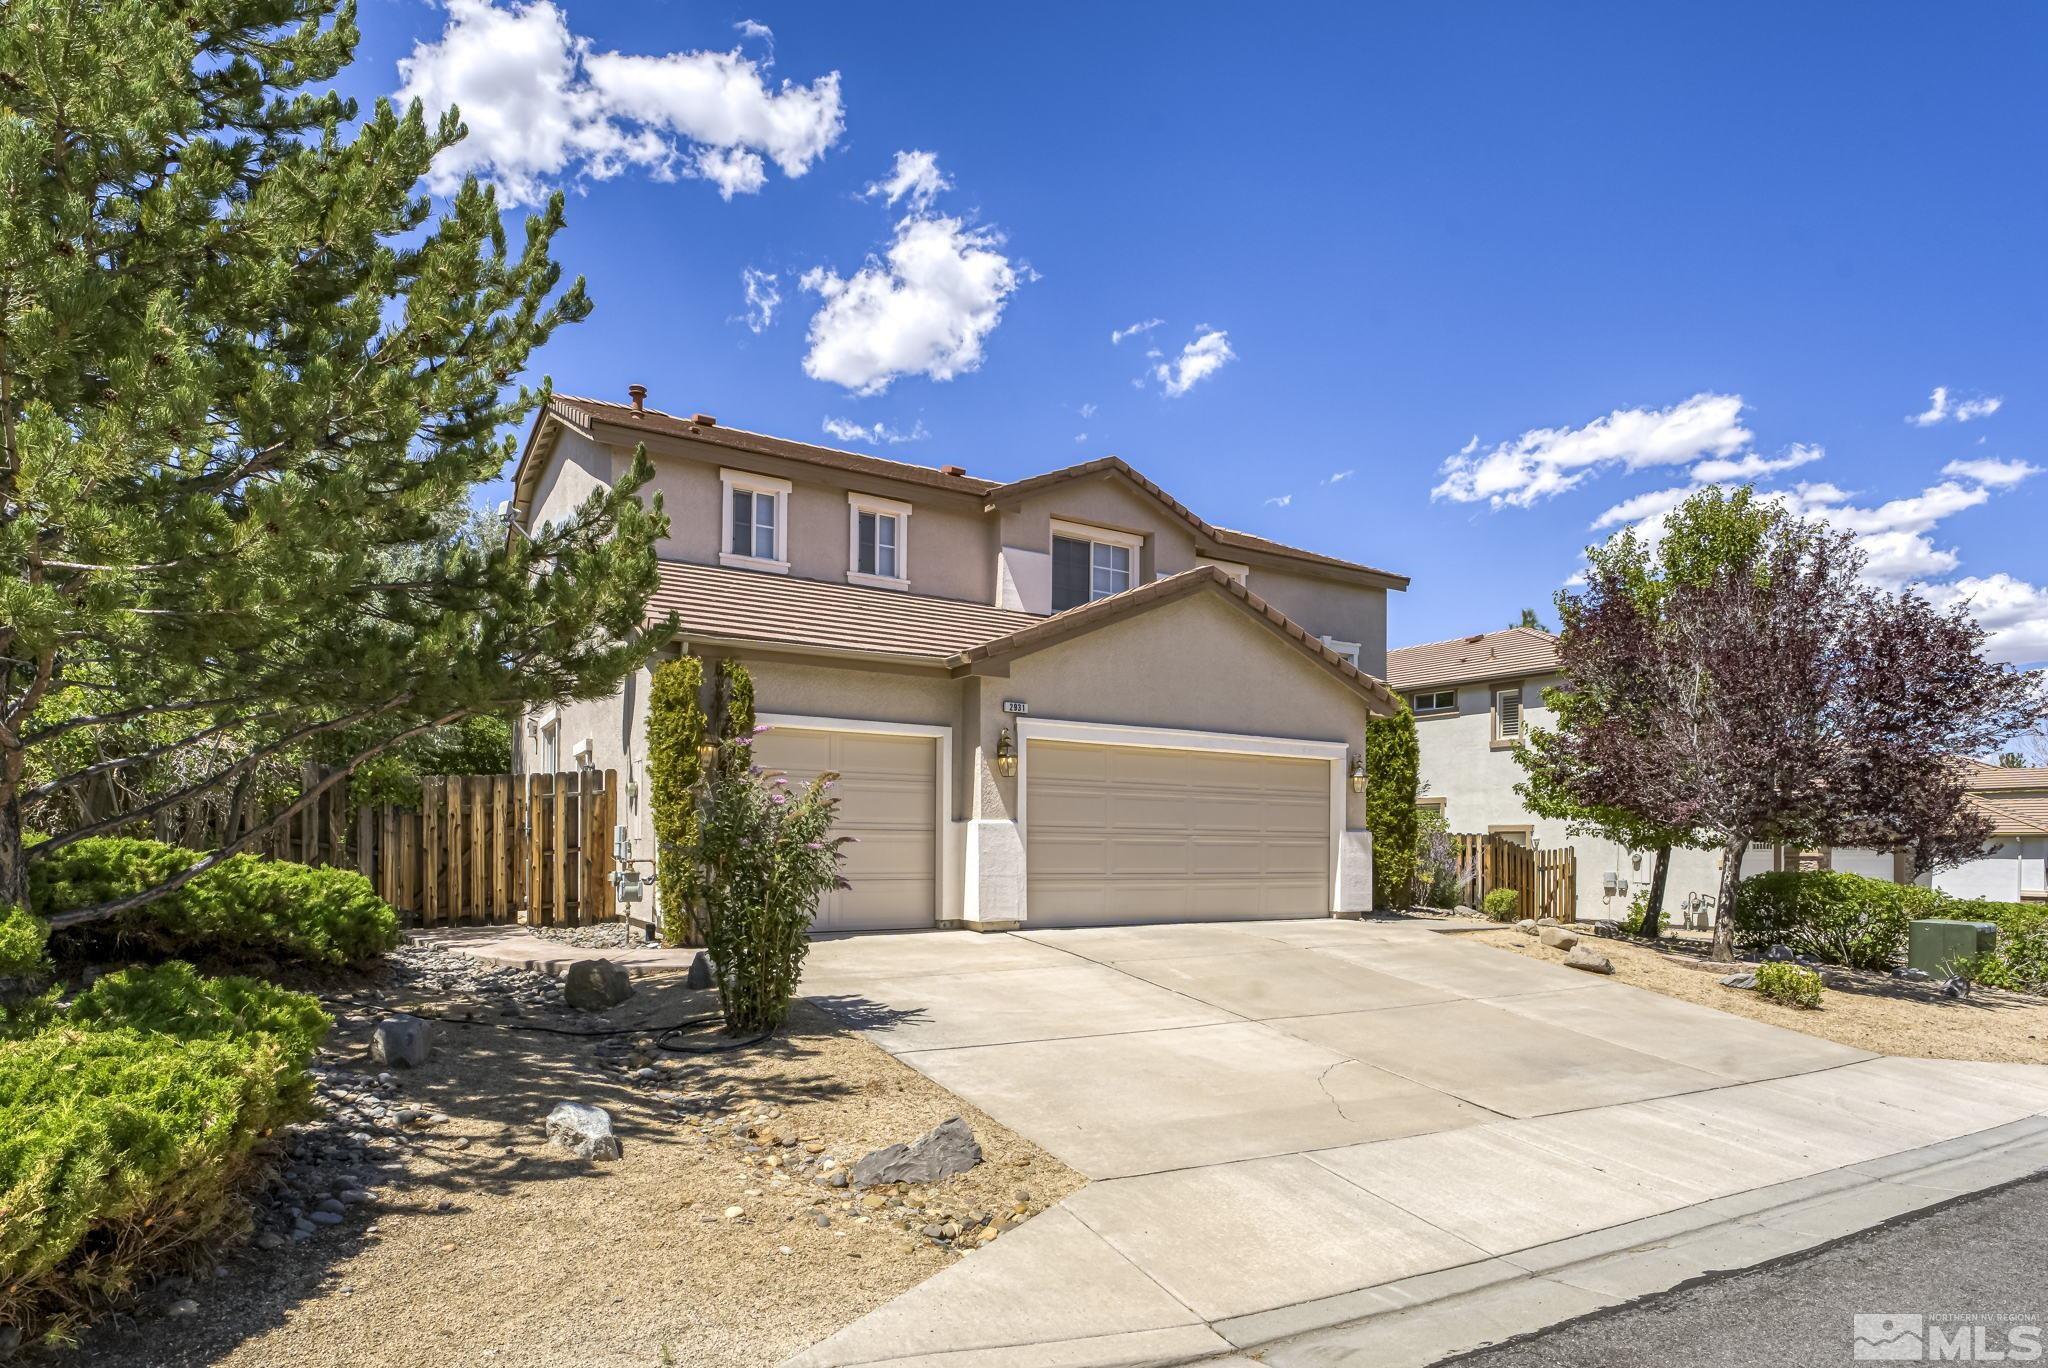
(584, 1131)
(401, 1042)
(594, 985)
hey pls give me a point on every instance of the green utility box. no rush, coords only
(1935, 945)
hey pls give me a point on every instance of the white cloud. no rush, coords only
(1198, 360)
(1281, 500)
(1754, 465)
(543, 107)
(1470, 447)
(925, 310)
(846, 430)
(1117, 335)
(2013, 611)
(1338, 476)
(1080, 437)
(754, 28)
(1941, 408)
(1087, 410)
(1998, 474)
(1653, 503)
(763, 297)
(915, 175)
(1544, 462)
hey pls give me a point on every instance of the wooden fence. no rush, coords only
(498, 848)
(1547, 881)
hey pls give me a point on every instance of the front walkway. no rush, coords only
(1369, 1143)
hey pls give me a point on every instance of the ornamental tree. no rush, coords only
(1392, 767)
(1782, 701)
(249, 377)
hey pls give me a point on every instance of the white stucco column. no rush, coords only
(1354, 873)
(994, 874)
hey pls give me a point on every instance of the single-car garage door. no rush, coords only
(888, 795)
(1136, 834)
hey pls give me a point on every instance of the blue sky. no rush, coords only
(1603, 251)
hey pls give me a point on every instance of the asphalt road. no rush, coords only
(1978, 1262)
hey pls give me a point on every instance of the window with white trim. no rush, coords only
(1090, 563)
(1240, 572)
(1347, 649)
(878, 535)
(755, 532)
(1507, 714)
(551, 745)
(1434, 701)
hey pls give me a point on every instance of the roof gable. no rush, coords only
(1513, 653)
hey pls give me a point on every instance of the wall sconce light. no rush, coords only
(707, 755)
(1006, 755)
(1357, 773)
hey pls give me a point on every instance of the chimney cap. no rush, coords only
(638, 394)
(703, 420)
(952, 470)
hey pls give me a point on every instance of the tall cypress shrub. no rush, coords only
(675, 733)
(1393, 765)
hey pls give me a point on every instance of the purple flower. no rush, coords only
(778, 798)
(761, 728)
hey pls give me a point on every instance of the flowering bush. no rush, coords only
(765, 856)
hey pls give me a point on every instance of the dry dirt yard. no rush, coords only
(470, 1240)
(1867, 1011)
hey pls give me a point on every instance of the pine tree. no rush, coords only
(249, 377)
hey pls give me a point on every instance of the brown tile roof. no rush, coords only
(2015, 814)
(717, 604)
(1985, 778)
(1506, 654)
(1043, 632)
(1222, 536)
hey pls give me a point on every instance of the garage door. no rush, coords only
(887, 798)
(1133, 834)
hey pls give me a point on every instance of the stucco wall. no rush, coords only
(1994, 876)
(578, 467)
(1348, 612)
(616, 728)
(1200, 664)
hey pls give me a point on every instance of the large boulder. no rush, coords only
(595, 985)
(1745, 981)
(1592, 961)
(700, 971)
(944, 1150)
(401, 1042)
(1556, 937)
(584, 1131)
(1527, 926)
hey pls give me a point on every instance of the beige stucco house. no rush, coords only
(1054, 701)
(1474, 696)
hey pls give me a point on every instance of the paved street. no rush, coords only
(1981, 1257)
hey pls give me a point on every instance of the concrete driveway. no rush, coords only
(1361, 1142)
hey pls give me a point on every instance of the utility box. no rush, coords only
(1933, 946)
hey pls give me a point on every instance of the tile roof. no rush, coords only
(711, 602)
(1101, 612)
(1985, 778)
(2015, 814)
(1505, 654)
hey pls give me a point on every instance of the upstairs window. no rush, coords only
(1347, 649)
(1435, 701)
(756, 532)
(1507, 714)
(1088, 565)
(878, 541)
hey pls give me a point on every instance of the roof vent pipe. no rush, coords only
(638, 394)
(952, 470)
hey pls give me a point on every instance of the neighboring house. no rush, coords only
(1053, 701)
(1473, 697)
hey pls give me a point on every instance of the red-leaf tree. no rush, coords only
(1781, 702)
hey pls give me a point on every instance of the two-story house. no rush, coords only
(1054, 701)
(1473, 697)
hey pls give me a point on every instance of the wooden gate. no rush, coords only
(1546, 882)
(496, 848)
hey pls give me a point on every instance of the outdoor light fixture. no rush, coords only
(1006, 755)
(707, 754)
(1357, 773)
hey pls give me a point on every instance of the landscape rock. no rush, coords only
(946, 1149)
(700, 971)
(594, 985)
(584, 1131)
(401, 1042)
(1527, 926)
(1745, 981)
(1592, 961)
(1548, 921)
(1779, 954)
(1465, 911)
(1556, 937)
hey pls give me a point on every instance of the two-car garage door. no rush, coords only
(1142, 834)
(888, 801)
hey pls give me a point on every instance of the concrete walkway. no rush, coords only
(1346, 1143)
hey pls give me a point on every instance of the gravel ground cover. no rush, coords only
(423, 1217)
(1875, 1012)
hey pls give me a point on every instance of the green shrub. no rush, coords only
(2020, 963)
(1392, 766)
(244, 908)
(1791, 985)
(26, 997)
(1638, 912)
(1501, 904)
(126, 1132)
(1829, 915)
